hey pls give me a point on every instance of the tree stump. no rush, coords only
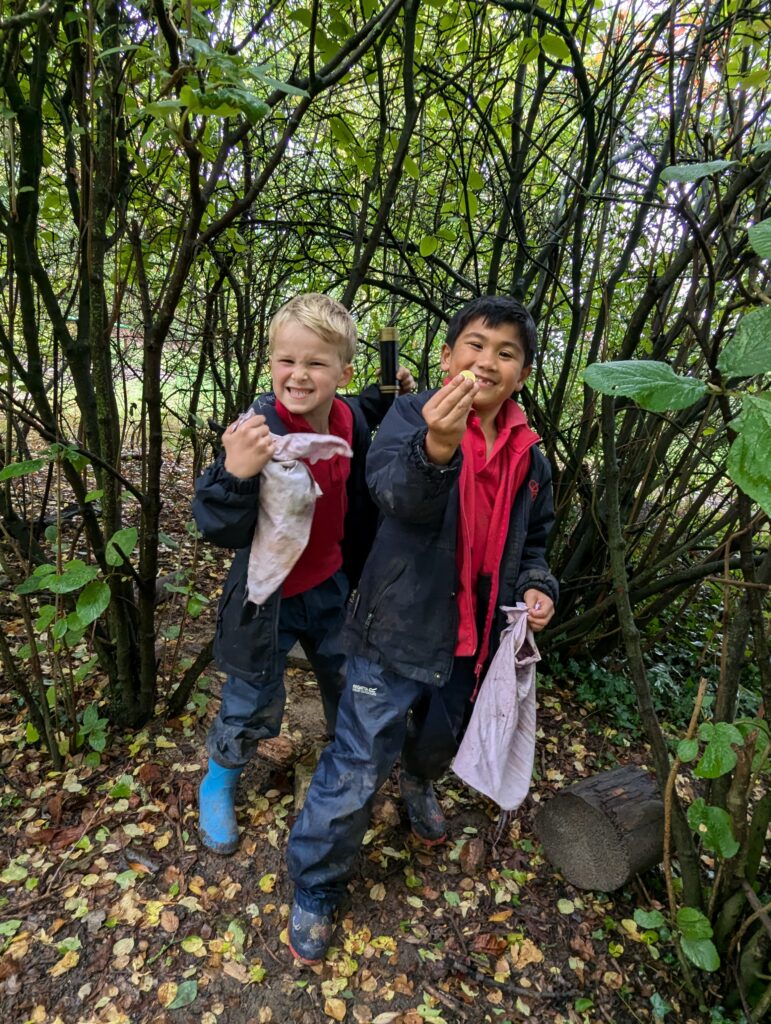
(602, 831)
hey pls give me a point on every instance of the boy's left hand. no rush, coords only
(540, 609)
(405, 380)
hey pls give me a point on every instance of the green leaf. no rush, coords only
(687, 750)
(655, 386)
(186, 994)
(649, 918)
(583, 1004)
(719, 756)
(452, 898)
(342, 132)
(92, 601)
(428, 245)
(749, 351)
(749, 457)
(10, 927)
(701, 952)
(125, 540)
(475, 180)
(760, 238)
(45, 617)
(76, 575)
(14, 873)
(713, 826)
(555, 46)
(692, 172)
(15, 469)
(692, 924)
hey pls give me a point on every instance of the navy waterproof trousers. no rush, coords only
(380, 712)
(250, 711)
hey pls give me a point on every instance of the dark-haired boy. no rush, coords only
(466, 504)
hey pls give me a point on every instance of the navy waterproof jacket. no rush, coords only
(404, 615)
(225, 508)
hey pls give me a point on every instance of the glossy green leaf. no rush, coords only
(121, 544)
(14, 469)
(702, 953)
(760, 236)
(719, 756)
(655, 386)
(749, 351)
(687, 750)
(555, 46)
(93, 600)
(749, 458)
(649, 918)
(76, 575)
(713, 826)
(428, 245)
(693, 172)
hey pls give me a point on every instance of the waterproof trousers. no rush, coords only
(249, 711)
(373, 725)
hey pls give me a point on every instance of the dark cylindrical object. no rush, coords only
(604, 830)
(389, 360)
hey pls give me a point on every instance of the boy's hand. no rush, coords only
(248, 446)
(405, 380)
(446, 413)
(540, 609)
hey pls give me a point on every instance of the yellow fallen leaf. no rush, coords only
(332, 986)
(335, 1008)
(525, 953)
(162, 841)
(502, 915)
(67, 962)
(377, 892)
(167, 992)
(267, 883)
(123, 947)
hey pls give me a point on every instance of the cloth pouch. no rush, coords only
(287, 497)
(496, 754)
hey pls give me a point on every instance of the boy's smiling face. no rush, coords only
(496, 357)
(306, 372)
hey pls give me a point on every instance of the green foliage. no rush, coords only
(749, 352)
(694, 172)
(654, 386)
(719, 757)
(749, 459)
(695, 936)
(713, 825)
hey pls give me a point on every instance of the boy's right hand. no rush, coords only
(446, 414)
(248, 446)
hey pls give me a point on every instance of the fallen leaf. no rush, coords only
(566, 906)
(472, 855)
(377, 892)
(187, 992)
(167, 992)
(67, 962)
(525, 953)
(335, 1008)
(169, 921)
(237, 971)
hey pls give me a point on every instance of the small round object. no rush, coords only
(468, 375)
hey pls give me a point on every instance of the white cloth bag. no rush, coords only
(497, 752)
(287, 498)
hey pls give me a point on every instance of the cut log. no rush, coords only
(602, 831)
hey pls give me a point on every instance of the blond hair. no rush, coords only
(324, 316)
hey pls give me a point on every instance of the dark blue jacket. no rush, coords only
(405, 615)
(225, 509)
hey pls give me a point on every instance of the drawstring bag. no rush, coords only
(287, 497)
(497, 752)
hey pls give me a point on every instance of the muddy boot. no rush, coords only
(217, 808)
(309, 935)
(426, 817)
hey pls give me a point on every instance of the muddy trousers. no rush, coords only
(252, 711)
(372, 729)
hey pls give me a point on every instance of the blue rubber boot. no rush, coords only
(217, 808)
(426, 817)
(309, 935)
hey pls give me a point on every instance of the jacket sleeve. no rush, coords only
(373, 405)
(402, 482)
(534, 569)
(225, 506)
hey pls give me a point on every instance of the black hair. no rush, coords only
(495, 310)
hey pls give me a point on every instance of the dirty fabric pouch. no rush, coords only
(287, 497)
(496, 755)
